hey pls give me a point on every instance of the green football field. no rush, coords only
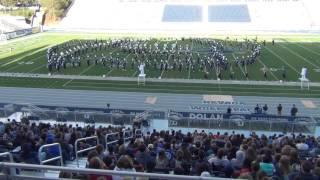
(290, 52)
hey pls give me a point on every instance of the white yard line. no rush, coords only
(86, 70)
(110, 72)
(272, 74)
(191, 49)
(20, 58)
(189, 73)
(34, 69)
(283, 60)
(163, 68)
(162, 73)
(65, 84)
(18, 65)
(239, 65)
(134, 73)
(312, 51)
(301, 57)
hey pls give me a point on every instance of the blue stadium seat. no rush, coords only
(228, 13)
(182, 13)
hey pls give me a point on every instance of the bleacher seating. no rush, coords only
(229, 13)
(192, 154)
(182, 13)
(213, 15)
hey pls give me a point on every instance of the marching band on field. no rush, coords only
(209, 54)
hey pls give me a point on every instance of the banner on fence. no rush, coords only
(225, 116)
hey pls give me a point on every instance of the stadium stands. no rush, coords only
(178, 13)
(194, 153)
(9, 24)
(209, 16)
(229, 13)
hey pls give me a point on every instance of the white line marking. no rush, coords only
(110, 72)
(312, 51)
(20, 58)
(65, 84)
(189, 71)
(283, 60)
(86, 70)
(301, 57)
(272, 74)
(239, 65)
(39, 67)
(18, 65)
(134, 73)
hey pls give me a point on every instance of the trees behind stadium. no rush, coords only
(11, 3)
(55, 9)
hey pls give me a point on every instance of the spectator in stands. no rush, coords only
(205, 153)
(91, 155)
(65, 175)
(283, 168)
(109, 162)
(28, 154)
(2, 128)
(294, 110)
(265, 108)
(255, 168)
(305, 172)
(125, 163)
(294, 160)
(261, 175)
(257, 109)
(237, 162)
(100, 151)
(229, 110)
(201, 164)
(317, 168)
(52, 151)
(97, 163)
(162, 162)
(279, 109)
(179, 159)
(219, 161)
(245, 170)
(266, 165)
(301, 145)
(142, 156)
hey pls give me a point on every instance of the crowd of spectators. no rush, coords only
(287, 157)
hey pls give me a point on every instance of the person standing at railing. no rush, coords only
(52, 151)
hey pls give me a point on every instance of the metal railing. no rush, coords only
(245, 125)
(110, 135)
(138, 133)
(84, 150)
(125, 133)
(101, 172)
(51, 159)
(8, 154)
